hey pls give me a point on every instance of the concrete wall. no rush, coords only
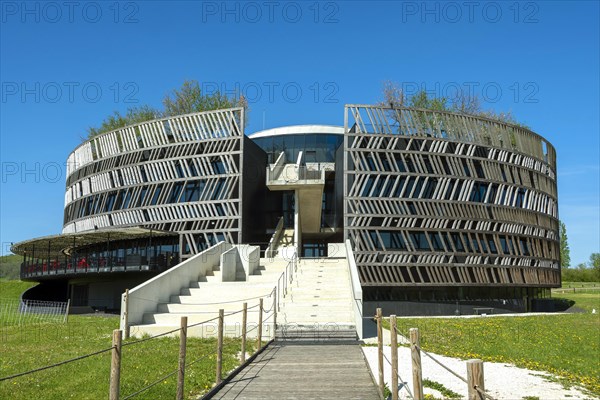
(336, 250)
(415, 308)
(230, 260)
(146, 297)
(357, 295)
(239, 262)
(249, 257)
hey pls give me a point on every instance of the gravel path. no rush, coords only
(502, 381)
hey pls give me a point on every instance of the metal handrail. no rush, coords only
(286, 277)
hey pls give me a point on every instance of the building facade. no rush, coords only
(438, 207)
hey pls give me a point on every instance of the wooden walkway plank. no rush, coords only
(303, 371)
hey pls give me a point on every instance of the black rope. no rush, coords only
(57, 364)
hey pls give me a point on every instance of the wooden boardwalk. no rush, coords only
(304, 371)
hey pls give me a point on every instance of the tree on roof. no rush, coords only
(187, 99)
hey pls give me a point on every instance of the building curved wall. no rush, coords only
(436, 199)
(180, 174)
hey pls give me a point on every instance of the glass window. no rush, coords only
(110, 201)
(175, 192)
(397, 242)
(321, 147)
(299, 146)
(127, 199)
(156, 194)
(192, 191)
(419, 240)
(143, 192)
(218, 188)
(179, 169)
(436, 241)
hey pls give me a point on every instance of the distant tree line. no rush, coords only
(187, 99)
(10, 267)
(584, 272)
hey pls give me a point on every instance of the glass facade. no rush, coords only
(316, 147)
(144, 254)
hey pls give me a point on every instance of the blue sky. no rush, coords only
(65, 67)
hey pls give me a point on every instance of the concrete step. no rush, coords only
(207, 296)
(229, 290)
(230, 329)
(324, 333)
(174, 318)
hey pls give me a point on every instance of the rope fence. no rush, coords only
(474, 380)
(118, 345)
(58, 364)
(404, 384)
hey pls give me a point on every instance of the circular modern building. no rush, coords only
(439, 208)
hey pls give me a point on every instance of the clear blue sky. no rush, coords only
(64, 68)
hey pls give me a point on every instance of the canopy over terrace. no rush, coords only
(55, 246)
(99, 251)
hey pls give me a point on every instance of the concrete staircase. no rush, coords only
(202, 300)
(319, 303)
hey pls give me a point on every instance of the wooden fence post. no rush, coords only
(415, 350)
(115, 365)
(475, 379)
(126, 314)
(380, 351)
(182, 351)
(220, 346)
(394, 349)
(244, 322)
(260, 322)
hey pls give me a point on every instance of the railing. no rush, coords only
(291, 173)
(407, 121)
(272, 248)
(91, 264)
(285, 279)
(118, 354)
(21, 312)
(474, 380)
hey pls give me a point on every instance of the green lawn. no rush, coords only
(566, 345)
(12, 289)
(23, 348)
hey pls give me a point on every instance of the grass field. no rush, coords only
(31, 346)
(13, 289)
(566, 345)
